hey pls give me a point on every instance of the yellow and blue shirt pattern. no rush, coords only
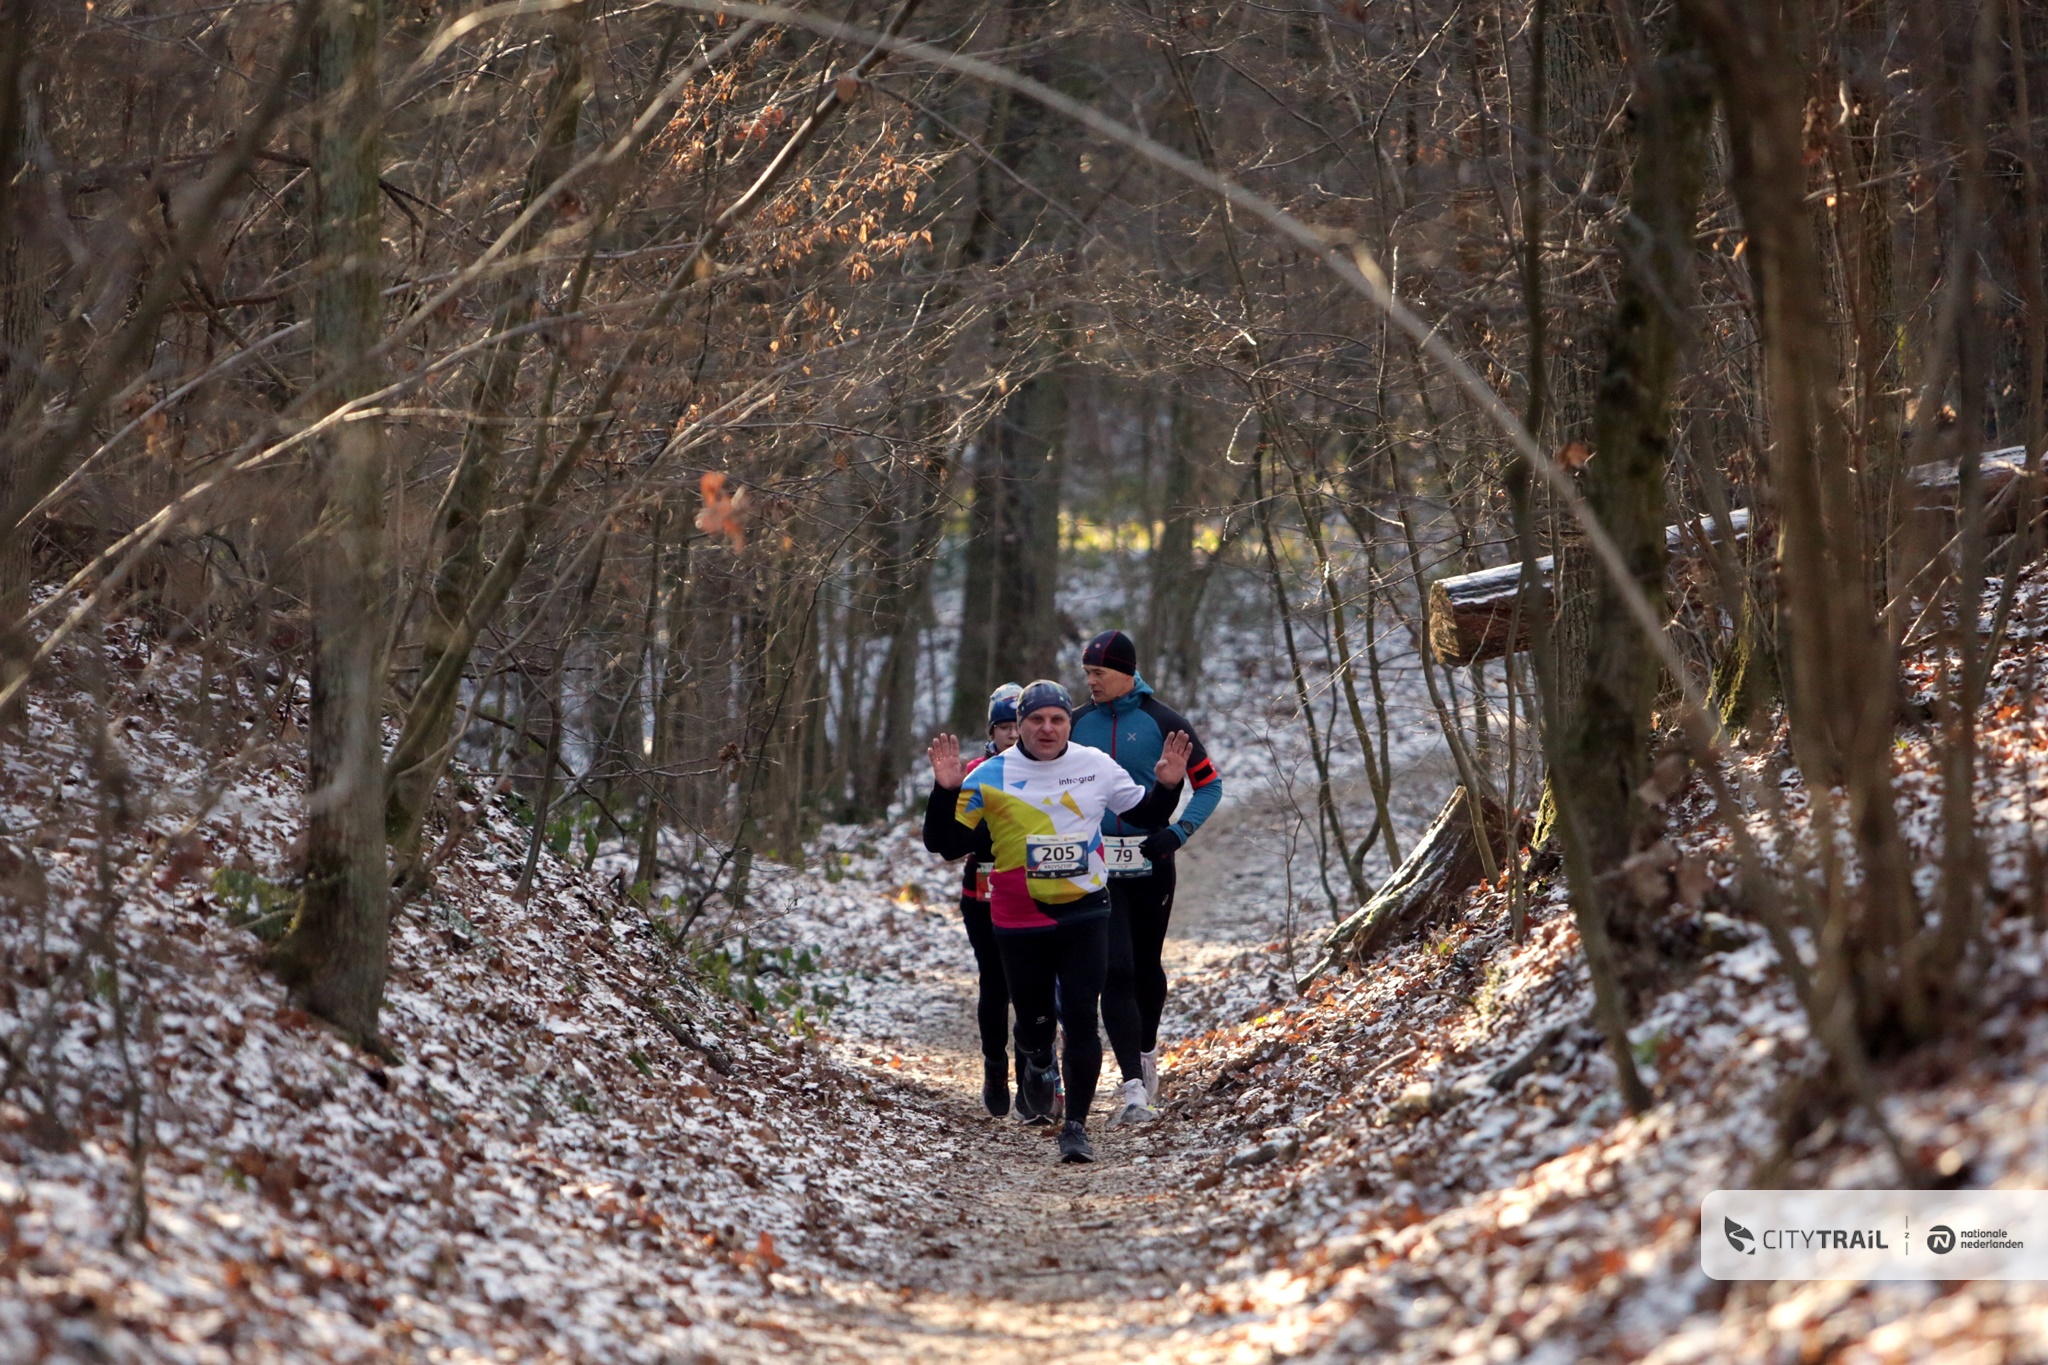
(1045, 823)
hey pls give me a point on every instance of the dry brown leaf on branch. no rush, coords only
(723, 513)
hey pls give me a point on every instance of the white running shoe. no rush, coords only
(1131, 1106)
(1148, 1062)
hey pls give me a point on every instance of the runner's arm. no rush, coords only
(1155, 807)
(1203, 778)
(943, 832)
(1208, 786)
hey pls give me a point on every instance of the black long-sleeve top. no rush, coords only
(947, 837)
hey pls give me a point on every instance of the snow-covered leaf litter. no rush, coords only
(549, 1174)
(1427, 1219)
(519, 1189)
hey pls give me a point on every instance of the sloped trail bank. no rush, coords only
(586, 1158)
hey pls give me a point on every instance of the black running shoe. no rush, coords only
(1034, 1090)
(1074, 1144)
(995, 1085)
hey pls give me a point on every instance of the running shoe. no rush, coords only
(1035, 1080)
(1131, 1106)
(1074, 1144)
(1148, 1062)
(995, 1085)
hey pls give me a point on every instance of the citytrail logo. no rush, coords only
(1999, 1234)
(1825, 1239)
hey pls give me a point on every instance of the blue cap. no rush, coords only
(1002, 704)
(1041, 694)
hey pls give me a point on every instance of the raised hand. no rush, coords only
(947, 770)
(1173, 759)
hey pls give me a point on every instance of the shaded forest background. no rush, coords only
(675, 410)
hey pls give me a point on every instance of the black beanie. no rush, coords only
(1113, 650)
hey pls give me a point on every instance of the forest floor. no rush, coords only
(589, 1154)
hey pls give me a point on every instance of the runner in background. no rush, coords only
(1126, 721)
(1043, 803)
(947, 837)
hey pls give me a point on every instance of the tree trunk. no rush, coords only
(1582, 78)
(659, 808)
(20, 337)
(1599, 745)
(334, 956)
(1172, 631)
(461, 569)
(1009, 623)
(1841, 688)
(892, 742)
(1603, 755)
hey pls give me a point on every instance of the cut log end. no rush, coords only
(1472, 616)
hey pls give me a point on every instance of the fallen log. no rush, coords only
(714, 1056)
(1472, 615)
(1526, 1060)
(1938, 488)
(1436, 872)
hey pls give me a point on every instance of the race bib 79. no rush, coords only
(1123, 856)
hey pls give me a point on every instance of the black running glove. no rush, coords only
(1160, 843)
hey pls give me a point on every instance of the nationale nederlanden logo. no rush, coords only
(1740, 1237)
(1941, 1239)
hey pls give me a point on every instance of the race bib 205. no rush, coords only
(1047, 855)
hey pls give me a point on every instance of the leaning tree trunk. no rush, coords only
(334, 956)
(1600, 753)
(1442, 866)
(417, 767)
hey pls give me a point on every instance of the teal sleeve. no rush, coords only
(1200, 807)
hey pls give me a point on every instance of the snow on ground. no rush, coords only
(582, 1156)
(585, 1155)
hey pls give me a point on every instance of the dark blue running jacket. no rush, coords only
(1133, 730)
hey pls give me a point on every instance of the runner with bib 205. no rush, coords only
(947, 837)
(1130, 724)
(1043, 802)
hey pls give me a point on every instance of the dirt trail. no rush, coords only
(1020, 1258)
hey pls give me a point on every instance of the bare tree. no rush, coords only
(334, 956)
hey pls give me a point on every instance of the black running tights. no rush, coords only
(992, 1005)
(1134, 989)
(1074, 956)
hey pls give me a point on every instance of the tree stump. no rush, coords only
(1440, 869)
